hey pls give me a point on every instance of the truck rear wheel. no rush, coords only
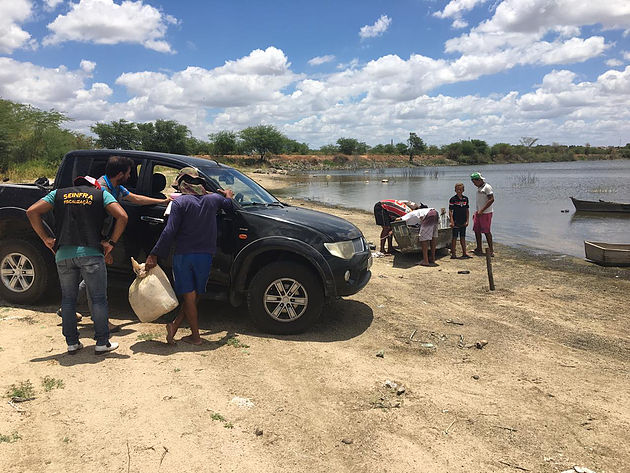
(285, 298)
(25, 273)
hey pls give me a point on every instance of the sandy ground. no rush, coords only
(549, 391)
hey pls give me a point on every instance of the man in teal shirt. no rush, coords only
(80, 252)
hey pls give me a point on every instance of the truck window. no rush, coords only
(161, 180)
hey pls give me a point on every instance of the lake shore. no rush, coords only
(548, 391)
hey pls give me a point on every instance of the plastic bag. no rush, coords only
(151, 294)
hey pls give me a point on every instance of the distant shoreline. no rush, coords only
(292, 163)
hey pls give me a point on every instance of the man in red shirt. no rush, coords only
(385, 212)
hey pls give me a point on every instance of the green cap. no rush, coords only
(476, 175)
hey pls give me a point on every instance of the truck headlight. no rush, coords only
(341, 249)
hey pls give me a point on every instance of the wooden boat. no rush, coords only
(600, 206)
(607, 254)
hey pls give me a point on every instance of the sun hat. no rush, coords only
(188, 181)
(476, 175)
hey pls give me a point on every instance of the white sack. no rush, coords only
(151, 294)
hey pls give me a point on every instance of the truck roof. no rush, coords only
(167, 157)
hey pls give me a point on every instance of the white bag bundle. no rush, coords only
(151, 294)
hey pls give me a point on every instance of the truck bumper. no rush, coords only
(352, 276)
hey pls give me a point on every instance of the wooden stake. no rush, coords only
(489, 266)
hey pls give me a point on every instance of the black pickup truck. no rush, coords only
(286, 262)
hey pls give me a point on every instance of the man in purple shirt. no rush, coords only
(192, 227)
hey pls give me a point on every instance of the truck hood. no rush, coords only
(335, 228)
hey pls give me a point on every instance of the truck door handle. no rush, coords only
(152, 220)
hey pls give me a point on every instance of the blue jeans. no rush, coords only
(93, 271)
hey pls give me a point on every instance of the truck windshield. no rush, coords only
(246, 191)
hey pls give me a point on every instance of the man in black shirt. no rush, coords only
(458, 212)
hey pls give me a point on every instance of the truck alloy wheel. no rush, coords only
(285, 297)
(26, 270)
(17, 272)
(285, 300)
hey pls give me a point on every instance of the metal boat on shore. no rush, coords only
(600, 206)
(407, 237)
(607, 254)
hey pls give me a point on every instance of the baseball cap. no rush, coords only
(86, 181)
(476, 175)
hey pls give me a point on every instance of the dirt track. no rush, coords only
(552, 389)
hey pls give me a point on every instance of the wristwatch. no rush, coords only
(111, 242)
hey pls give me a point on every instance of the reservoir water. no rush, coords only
(530, 198)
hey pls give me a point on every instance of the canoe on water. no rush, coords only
(607, 254)
(600, 206)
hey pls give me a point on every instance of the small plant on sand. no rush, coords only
(236, 343)
(66, 440)
(24, 390)
(176, 370)
(14, 437)
(217, 416)
(147, 336)
(52, 383)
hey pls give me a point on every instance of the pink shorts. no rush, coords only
(429, 226)
(481, 223)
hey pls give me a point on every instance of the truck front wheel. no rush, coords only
(285, 298)
(24, 272)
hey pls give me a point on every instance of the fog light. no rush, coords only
(346, 276)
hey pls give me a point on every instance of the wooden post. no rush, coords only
(489, 267)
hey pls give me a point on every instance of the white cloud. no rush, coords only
(455, 8)
(12, 36)
(626, 55)
(459, 24)
(614, 63)
(517, 24)
(536, 16)
(105, 22)
(258, 77)
(88, 66)
(52, 4)
(319, 60)
(373, 102)
(44, 87)
(377, 29)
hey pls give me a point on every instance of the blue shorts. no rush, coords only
(191, 272)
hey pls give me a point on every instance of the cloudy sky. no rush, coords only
(373, 70)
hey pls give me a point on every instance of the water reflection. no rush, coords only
(531, 199)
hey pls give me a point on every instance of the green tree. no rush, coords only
(351, 146)
(224, 142)
(328, 149)
(401, 148)
(481, 147)
(197, 146)
(295, 147)
(501, 151)
(30, 134)
(262, 140)
(171, 137)
(119, 134)
(415, 146)
(146, 136)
